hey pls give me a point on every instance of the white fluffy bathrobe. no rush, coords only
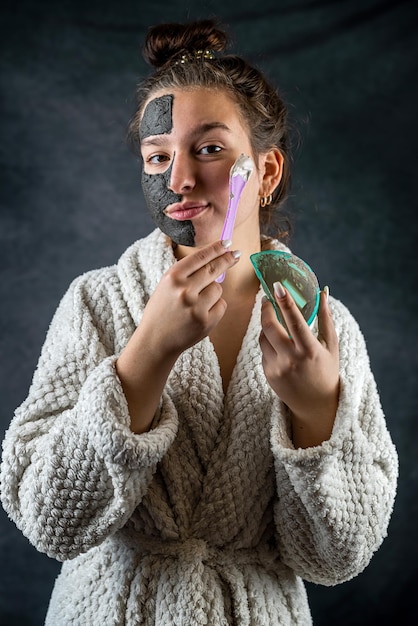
(212, 517)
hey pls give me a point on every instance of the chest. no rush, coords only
(228, 336)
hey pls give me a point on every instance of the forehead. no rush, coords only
(158, 117)
(165, 109)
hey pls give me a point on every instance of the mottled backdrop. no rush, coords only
(70, 201)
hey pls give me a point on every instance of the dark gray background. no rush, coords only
(71, 201)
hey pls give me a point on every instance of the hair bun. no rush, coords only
(165, 41)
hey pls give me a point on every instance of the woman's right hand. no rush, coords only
(186, 305)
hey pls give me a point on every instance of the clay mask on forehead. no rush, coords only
(158, 120)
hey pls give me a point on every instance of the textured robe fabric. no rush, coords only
(210, 518)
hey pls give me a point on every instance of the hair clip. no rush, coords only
(196, 55)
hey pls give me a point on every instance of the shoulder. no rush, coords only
(344, 321)
(136, 259)
(123, 288)
(351, 340)
(93, 286)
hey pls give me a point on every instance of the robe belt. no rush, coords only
(194, 550)
(196, 588)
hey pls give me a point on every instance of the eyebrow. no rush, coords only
(201, 129)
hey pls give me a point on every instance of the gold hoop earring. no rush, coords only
(266, 200)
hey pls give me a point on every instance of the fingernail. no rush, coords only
(326, 292)
(236, 254)
(226, 243)
(279, 290)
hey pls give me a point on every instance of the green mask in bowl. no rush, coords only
(294, 274)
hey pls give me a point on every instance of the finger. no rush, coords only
(267, 349)
(276, 355)
(210, 296)
(296, 324)
(203, 256)
(326, 330)
(217, 310)
(215, 268)
(273, 331)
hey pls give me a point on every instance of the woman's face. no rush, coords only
(189, 141)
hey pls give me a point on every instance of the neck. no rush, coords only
(240, 280)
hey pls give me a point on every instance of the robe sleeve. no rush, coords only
(72, 471)
(335, 500)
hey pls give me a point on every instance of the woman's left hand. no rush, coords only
(302, 369)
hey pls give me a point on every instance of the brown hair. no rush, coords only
(172, 48)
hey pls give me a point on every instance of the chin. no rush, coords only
(204, 239)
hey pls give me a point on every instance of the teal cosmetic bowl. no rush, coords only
(294, 274)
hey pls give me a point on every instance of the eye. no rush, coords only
(211, 149)
(157, 159)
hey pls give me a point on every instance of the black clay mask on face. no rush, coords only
(158, 120)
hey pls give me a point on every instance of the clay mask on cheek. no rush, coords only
(158, 120)
(158, 197)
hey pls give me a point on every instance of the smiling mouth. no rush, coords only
(185, 211)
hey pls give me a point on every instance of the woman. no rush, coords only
(189, 460)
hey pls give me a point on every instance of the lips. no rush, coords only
(185, 210)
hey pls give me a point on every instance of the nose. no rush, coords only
(182, 176)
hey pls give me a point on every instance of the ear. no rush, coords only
(271, 165)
